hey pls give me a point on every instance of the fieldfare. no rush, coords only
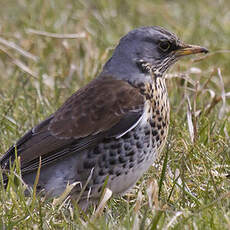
(113, 128)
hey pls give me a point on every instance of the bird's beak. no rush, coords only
(190, 49)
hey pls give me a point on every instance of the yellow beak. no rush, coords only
(190, 49)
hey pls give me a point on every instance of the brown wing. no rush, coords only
(95, 108)
(105, 107)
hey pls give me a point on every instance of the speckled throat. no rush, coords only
(156, 93)
(156, 97)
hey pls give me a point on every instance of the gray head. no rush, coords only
(147, 50)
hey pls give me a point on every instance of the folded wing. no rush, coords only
(104, 108)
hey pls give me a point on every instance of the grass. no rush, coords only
(187, 188)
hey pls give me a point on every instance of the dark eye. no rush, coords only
(164, 46)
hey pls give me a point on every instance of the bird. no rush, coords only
(109, 132)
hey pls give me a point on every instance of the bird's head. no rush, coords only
(147, 50)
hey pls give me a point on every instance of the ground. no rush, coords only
(187, 188)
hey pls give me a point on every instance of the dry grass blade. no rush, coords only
(227, 220)
(70, 75)
(24, 68)
(64, 195)
(181, 76)
(12, 45)
(226, 133)
(137, 208)
(223, 107)
(195, 112)
(54, 35)
(138, 201)
(105, 197)
(84, 187)
(19, 63)
(224, 196)
(227, 94)
(172, 221)
(189, 120)
(203, 87)
(214, 102)
(152, 193)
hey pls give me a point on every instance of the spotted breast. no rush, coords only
(123, 160)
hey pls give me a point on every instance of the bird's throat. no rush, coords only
(156, 93)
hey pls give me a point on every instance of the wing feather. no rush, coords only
(104, 108)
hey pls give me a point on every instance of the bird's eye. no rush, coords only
(164, 46)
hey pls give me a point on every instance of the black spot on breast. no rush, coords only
(126, 147)
(152, 123)
(159, 126)
(131, 153)
(159, 119)
(162, 132)
(132, 142)
(147, 132)
(136, 137)
(139, 145)
(121, 159)
(148, 96)
(157, 138)
(131, 165)
(157, 112)
(154, 132)
(140, 160)
(118, 173)
(131, 159)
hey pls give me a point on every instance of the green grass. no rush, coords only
(187, 187)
